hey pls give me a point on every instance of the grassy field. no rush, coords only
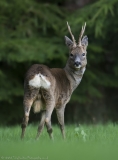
(84, 142)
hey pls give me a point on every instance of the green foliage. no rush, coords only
(32, 32)
(102, 53)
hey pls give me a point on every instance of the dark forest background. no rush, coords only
(32, 31)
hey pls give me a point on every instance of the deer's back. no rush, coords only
(53, 80)
(54, 74)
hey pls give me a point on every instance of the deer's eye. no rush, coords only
(71, 55)
(83, 54)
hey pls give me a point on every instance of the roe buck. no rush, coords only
(48, 88)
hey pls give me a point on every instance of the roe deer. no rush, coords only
(48, 88)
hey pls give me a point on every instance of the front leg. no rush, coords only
(60, 117)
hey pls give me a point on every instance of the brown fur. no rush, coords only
(52, 88)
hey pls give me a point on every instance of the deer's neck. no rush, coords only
(74, 76)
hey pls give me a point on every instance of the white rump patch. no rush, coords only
(39, 81)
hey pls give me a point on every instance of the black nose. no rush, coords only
(77, 63)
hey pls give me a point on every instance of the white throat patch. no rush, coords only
(39, 81)
(83, 70)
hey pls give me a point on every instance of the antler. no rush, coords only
(73, 39)
(81, 34)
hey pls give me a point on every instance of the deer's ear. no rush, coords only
(68, 42)
(84, 41)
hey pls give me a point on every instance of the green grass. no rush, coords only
(85, 142)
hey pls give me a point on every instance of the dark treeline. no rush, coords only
(32, 31)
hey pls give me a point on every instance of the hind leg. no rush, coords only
(48, 122)
(41, 125)
(29, 97)
(49, 129)
(49, 105)
(27, 107)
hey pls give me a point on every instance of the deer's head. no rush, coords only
(77, 56)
